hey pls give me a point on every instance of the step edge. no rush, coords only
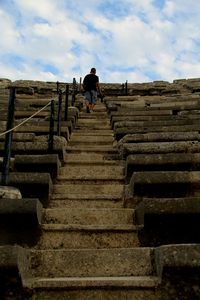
(78, 282)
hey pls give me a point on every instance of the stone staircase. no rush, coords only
(114, 212)
(89, 248)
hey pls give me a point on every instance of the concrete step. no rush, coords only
(75, 236)
(88, 262)
(98, 217)
(91, 172)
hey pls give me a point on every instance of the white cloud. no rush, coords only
(62, 39)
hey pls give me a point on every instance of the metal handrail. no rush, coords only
(8, 137)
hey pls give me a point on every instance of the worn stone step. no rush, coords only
(88, 262)
(94, 282)
(92, 157)
(90, 122)
(94, 115)
(108, 149)
(91, 172)
(98, 288)
(86, 203)
(87, 191)
(87, 139)
(88, 216)
(93, 132)
(75, 236)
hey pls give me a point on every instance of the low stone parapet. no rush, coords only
(162, 162)
(20, 221)
(165, 184)
(160, 147)
(168, 221)
(45, 163)
(177, 257)
(122, 131)
(32, 185)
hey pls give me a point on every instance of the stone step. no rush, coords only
(91, 121)
(87, 191)
(86, 203)
(86, 288)
(95, 282)
(84, 156)
(159, 123)
(92, 124)
(88, 262)
(93, 132)
(90, 158)
(91, 172)
(87, 139)
(94, 115)
(75, 236)
(98, 217)
(106, 149)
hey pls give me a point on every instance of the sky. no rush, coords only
(134, 40)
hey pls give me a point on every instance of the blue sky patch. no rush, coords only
(114, 9)
(47, 67)
(159, 4)
(13, 60)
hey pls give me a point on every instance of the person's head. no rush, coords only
(93, 71)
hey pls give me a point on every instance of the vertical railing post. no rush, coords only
(66, 101)
(8, 137)
(59, 113)
(57, 86)
(73, 91)
(80, 85)
(126, 87)
(51, 127)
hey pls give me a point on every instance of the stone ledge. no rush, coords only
(47, 163)
(166, 206)
(122, 131)
(20, 221)
(32, 185)
(165, 184)
(93, 282)
(177, 256)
